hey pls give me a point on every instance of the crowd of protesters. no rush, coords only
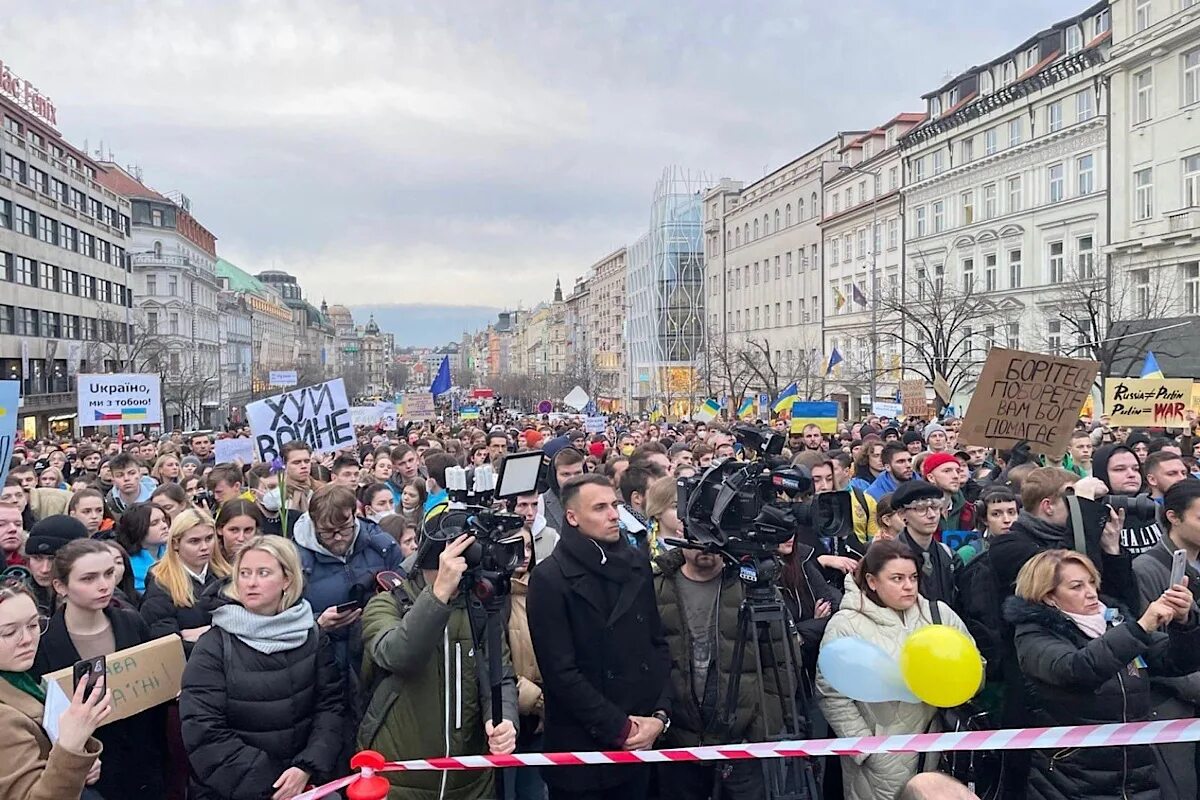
(319, 615)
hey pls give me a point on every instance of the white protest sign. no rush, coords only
(419, 405)
(227, 451)
(282, 377)
(364, 416)
(595, 424)
(884, 408)
(319, 415)
(387, 415)
(577, 398)
(125, 399)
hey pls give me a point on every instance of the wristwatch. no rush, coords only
(662, 717)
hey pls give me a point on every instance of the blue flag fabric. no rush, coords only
(441, 382)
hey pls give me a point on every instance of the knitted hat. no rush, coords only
(931, 429)
(50, 533)
(597, 449)
(935, 460)
(911, 436)
(913, 491)
(533, 438)
(195, 462)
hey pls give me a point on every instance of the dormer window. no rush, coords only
(952, 100)
(985, 82)
(1032, 57)
(1010, 72)
(1074, 39)
(935, 107)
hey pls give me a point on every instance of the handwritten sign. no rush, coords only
(1148, 402)
(139, 677)
(595, 424)
(319, 415)
(419, 405)
(1029, 397)
(229, 451)
(885, 408)
(912, 397)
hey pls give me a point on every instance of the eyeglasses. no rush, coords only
(927, 506)
(344, 532)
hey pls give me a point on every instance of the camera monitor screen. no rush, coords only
(519, 474)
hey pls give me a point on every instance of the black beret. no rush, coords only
(914, 491)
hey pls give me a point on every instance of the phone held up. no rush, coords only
(90, 670)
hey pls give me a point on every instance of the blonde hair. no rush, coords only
(1041, 574)
(660, 497)
(156, 471)
(1044, 483)
(169, 573)
(283, 551)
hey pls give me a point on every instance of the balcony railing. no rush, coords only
(154, 260)
(1183, 219)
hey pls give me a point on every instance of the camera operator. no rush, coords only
(699, 598)
(599, 642)
(1121, 470)
(429, 695)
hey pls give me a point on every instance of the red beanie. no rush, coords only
(596, 449)
(532, 438)
(936, 460)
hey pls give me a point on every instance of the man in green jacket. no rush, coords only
(430, 694)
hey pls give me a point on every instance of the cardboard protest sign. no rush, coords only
(227, 451)
(595, 424)
(126, 399)
(1029, 397)
(319, 415)
(139, 678)
(419, 405)
(364, 416)
(941, 388)
(10, 398)
(387, 415)
(1148, 402)
(912, 397)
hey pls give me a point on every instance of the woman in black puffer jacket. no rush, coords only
(261, 704)
(1083, 666)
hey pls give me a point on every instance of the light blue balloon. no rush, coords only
(863, 671)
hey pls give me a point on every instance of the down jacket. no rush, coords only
(248, 716)
(881, 776)
(1073, 680)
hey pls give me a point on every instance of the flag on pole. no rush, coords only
(656, 414)
(839, 299)
(858, 295)
(708, 411)
(746, 409)
(835, 358)
(1150, 368)
(822, 413)
(441, 381)
(786, 398)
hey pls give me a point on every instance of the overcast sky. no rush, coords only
(469, 153)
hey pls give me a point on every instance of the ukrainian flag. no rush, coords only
(1150, 368)
(822, 413)
(786, 398)
(709, 411)
(746, 409)
(656, 414)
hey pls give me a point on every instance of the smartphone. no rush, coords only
(89, 669)
(1178, 566)
(342, 608)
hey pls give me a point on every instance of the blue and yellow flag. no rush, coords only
(1150, 368)
(746, 409)
(839, 299)
(709, 411)
(822, 413)
(786, 398)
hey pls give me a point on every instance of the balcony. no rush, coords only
(154, 260)
(37, 402)
(1183, 219)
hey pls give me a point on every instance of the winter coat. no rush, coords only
(552, 510)
(938, 583)
(882, 776)
(164, 617)
(428, 694)
(248, 716)
(697, 721)
(885, 483)
(117, 505)
(45, 501)
(801, 604)
(1074, 680)
(1141, 531)
(134, 760)
(530, 701)
(32, 768)
(602, 654)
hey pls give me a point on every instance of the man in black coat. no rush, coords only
(594, 621)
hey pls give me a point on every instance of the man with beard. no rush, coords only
(897, 463)
(944, 472)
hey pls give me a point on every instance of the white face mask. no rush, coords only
(376, 516)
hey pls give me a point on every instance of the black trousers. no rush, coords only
(738, 780)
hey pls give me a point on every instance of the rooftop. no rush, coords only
(242, 281)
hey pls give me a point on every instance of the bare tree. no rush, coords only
(724, 367)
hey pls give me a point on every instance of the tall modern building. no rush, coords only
(665, 290)
(65, 293)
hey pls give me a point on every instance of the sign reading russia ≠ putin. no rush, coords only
(1148, 402)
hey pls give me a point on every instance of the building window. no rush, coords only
(1014, 269)
(1191, 77)
(6, 319)
(68, 237)
(967, 150)
(1191, 182)
(1085, 168)
(1056, 189)
(26, 221)
(847, 250)
(967, 204)
(861, 243)
(152, 285)
(174, 322)
(1056, 263)
(921, 283)
(893, 233)
(788, 215)
(14, 168)
(968, 275)
(1014, 132)
(1101, 22)
(756, 233)
(918, 169)
(1141, 292)
(6, 267)
(939, 278)
(787, 264)
(27, 322)
(991, 276)
(1074, 39)
(756, 273)
(70, 326)
(5, 213)
(777, 274)
(776, 221)
(1085, 254)
(789, 312)
(939, 216)
(1014, 194)
(939, 161)
(87, 287)
(1143, 96)
(894, 178)
(1013, 330)
(48, 274)
(69, 283)
(985, 83)
(87, 245)
(1054, 116)
(919, 213)
(1141, 15)
(989, 141)
(833, 250)
(1191, 287)
(1143, 194)
(834, 203)
(877, 238)
(1085, 105)
(989, 201)
(37, 180)
(1009, 72)
(26, 271)
(1054, 337)
(47, 230)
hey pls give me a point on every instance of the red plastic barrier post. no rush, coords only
(369, 786)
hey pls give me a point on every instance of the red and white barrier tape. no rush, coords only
(1130, 733)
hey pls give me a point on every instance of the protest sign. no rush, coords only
(1029, 397)
(577, 398)
(387, 415)
(942, 388)
(10, 398)
(126, 399)
(884, 408)
(595, 424)
(364, 416)
(319, 415)
(419, 405)
(912, 398)
(227, 451)
(139, 678)
(1196, 397)
(1148, 402)
(282, 377)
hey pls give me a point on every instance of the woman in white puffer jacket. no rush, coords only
(881, 606)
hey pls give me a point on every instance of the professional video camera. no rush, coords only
(1141, 505)
(496, 553)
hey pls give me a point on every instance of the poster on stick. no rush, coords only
(912, 397)
(419, 405)
(319, 415)
(1148, 402)
(1029, 397)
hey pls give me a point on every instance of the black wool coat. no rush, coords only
(1073, 680)
(248, 716)
(133, 763)
(600, 663)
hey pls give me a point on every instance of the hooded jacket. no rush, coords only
(1074, 680)
(881, 776)
(117, 504)
(1141, 531)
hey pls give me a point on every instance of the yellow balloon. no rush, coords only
(941, 665)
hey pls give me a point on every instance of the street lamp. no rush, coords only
(847, 169)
